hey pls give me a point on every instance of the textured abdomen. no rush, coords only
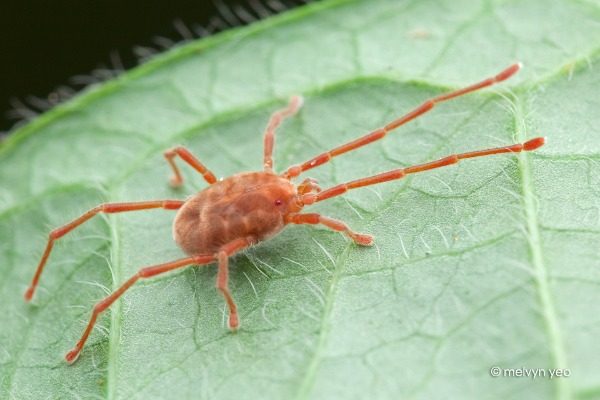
(241, 206)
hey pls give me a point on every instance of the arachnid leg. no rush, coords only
(377, 134)
(400, 173)
(223, 276)
(102, 208)
(313, 218)
(276, 120)
(177, 180)
(141, 274)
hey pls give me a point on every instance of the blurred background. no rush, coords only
(51, 49)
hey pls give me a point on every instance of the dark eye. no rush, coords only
(278, 202)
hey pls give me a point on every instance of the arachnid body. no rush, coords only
(241, 210)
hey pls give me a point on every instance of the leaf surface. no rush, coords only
(493, 262)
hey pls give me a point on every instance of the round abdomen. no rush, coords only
(239, 207)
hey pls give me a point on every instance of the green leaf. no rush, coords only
(493, 262)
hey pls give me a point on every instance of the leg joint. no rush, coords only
(57, 233)
(172, 152)
(100, 306)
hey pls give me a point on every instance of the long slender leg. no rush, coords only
(102, 208)
(377, 134)
(400, 173)
(275, 120)
(177, 180)
(141, 274)
(313, 218)
(223, 276)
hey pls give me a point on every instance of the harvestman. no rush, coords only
(244, 209)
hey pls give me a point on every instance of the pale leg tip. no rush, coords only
(234, 322)
(175, 183)
(299, 100)
(508, 72)
(363, 239)
(534, 143)
(72, 355)
(28, 294)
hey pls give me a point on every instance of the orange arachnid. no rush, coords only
(236, 212)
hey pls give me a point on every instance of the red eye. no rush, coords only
(278, 202)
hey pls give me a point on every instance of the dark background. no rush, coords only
(46, 44)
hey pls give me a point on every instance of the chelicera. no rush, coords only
(236, 212)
